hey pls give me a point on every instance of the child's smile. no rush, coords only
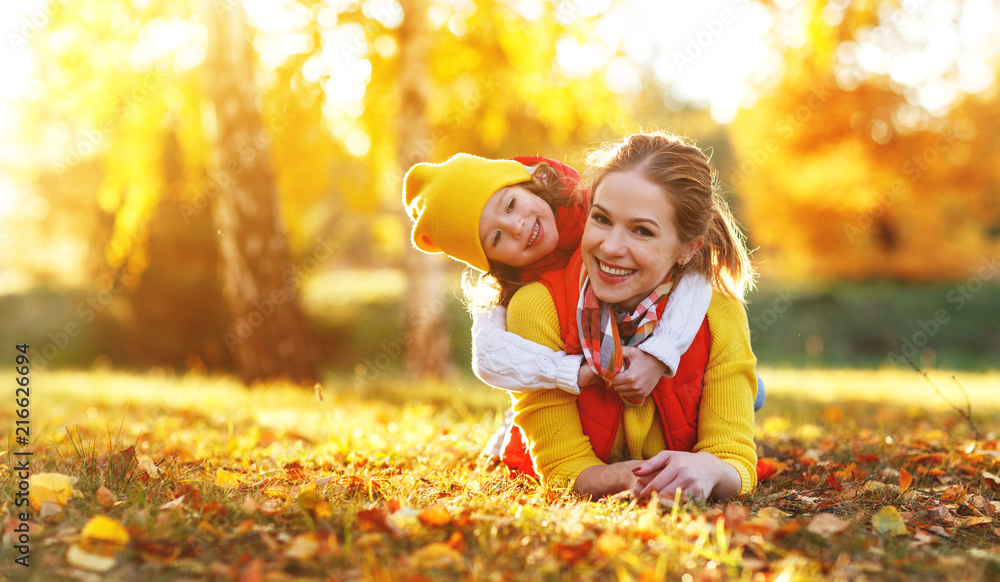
(517, 227)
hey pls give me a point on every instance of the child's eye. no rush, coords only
(511, 205)
(496, 238)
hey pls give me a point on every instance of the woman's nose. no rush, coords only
(614, 243)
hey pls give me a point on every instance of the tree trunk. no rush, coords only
(267, 336)
(428, 353)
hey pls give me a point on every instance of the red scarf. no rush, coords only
(602, 336)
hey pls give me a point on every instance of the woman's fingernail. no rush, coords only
(636, 470)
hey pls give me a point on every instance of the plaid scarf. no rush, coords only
(602, 336)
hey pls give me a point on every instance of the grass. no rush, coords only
(385, 482)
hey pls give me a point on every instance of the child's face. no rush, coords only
(517, 227)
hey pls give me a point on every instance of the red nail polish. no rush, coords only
(636, 470)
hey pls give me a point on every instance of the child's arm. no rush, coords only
(508, 361)
(660, 354)
(680, 322)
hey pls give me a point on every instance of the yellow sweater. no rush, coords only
(551, 422)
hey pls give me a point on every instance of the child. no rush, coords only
(514, 220)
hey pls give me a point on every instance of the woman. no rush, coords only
(654, 218)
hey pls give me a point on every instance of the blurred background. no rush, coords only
(214, 186)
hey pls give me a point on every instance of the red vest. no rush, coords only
(677, 399)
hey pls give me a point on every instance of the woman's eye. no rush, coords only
(643, 231)
(600, 219)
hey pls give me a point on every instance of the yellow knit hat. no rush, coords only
(446, 200)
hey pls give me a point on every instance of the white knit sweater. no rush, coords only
(508, 361)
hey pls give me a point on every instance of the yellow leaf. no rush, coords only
(50, 488)
(888, 521)
(436, 555)
(100, 540)
(227, 479)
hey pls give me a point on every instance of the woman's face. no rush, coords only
(630, 242)
(517, 227)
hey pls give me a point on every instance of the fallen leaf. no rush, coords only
(377, 518)
(434, 515)
(226, 479)
(100, 540)
(149, 466)
(436, 555)
(572, 553)
(176, 502)
(905, 481)
(105, 497)
(826, 524)
(991, 479)
(302, 547)
(610, 544)
(888, 521)
(121, 463)
(53, 488)
(974, 520)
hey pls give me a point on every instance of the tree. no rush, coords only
(428, 351)
(268, 336)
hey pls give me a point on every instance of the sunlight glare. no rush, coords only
(8, 198)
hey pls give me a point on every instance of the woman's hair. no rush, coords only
(684, 174)
(498, 285)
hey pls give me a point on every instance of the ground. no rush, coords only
(202, 479)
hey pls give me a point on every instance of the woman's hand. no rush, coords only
(601, 480)
(637, 382)
(699, 475)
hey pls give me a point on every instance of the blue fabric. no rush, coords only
(758, 402)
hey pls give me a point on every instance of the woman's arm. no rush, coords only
(508, 361)
(725, 415)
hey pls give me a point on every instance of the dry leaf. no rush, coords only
(888, 521)
(54, 488)
(905, 481)
(610, 544)
(826, 524)
(105, 497)
(100, 540)
(572, 553)
(176, 502)
(149, 466)
(436, 555)
(974, 520)
(302, 547)
(434, 515)
(226, 479)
